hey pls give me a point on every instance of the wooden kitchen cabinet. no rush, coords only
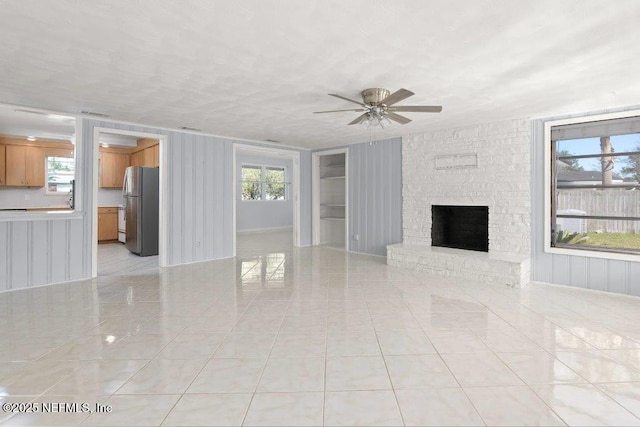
(148, 157)
(107, 224)
(152, 156)
(112, 167)
(3, 163)
(135, 158)
(24, 166)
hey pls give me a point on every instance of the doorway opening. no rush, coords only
(128, 222)
(266, 203)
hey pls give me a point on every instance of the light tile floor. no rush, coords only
(312, 336)
(115, 258)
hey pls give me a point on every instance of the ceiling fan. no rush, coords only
(378, 107)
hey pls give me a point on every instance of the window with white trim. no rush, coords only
(60, 172)
(261, 182)
(595, 185)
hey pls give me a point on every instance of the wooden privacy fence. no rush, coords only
(606, 202)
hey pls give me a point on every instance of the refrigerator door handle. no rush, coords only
(124, 190)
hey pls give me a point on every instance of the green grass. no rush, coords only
(613, 240)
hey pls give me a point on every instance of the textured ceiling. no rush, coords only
(257, 69)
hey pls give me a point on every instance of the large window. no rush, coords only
(60, 173)
(263, 183)
(595, 185)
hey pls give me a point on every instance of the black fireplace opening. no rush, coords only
(460, 227)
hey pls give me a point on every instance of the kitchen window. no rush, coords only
(594, 177)
(261, 182)
(60, 174)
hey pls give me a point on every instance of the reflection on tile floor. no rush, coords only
(312, 336)
(115, 258)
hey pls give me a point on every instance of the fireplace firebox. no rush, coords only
(460, 227)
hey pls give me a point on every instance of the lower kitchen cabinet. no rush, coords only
(107, 224)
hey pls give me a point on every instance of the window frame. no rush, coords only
(549, 193)
(46, 175)
(263, 182)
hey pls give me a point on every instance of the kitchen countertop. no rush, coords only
(37, 208)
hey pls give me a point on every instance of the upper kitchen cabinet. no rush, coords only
(112, 167)
(147, 153)
(24, 166)
(37, 160)
(3, 163)
(152, 156)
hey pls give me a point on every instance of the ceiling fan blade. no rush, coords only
(347, 99)
(418, 108)
(357, 110)
(397, 118)
(359, 119)
(397, 96)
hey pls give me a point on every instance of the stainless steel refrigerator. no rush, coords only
(140, 193)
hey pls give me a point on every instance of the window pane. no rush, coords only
(251, 173)
(601, 170)
(598, 202)
(619, 144)
(251, 183)
(60, 173)
(275, 183)
(597, 233)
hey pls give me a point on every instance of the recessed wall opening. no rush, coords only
(460, 227)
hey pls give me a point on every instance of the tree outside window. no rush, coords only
(263, 183)
(60, 173)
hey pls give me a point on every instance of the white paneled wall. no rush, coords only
(199, 217)
(38, 252)
(375, 195)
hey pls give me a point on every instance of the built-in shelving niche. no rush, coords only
(330, 202)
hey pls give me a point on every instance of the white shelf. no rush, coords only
(330, 201)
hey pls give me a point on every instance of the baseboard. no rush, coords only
(264, 230)
(580, 288)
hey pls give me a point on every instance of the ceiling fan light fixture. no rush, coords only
(379, 107)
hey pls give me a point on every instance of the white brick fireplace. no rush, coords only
(483, 165)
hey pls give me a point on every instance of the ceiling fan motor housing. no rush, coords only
(373, 96)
